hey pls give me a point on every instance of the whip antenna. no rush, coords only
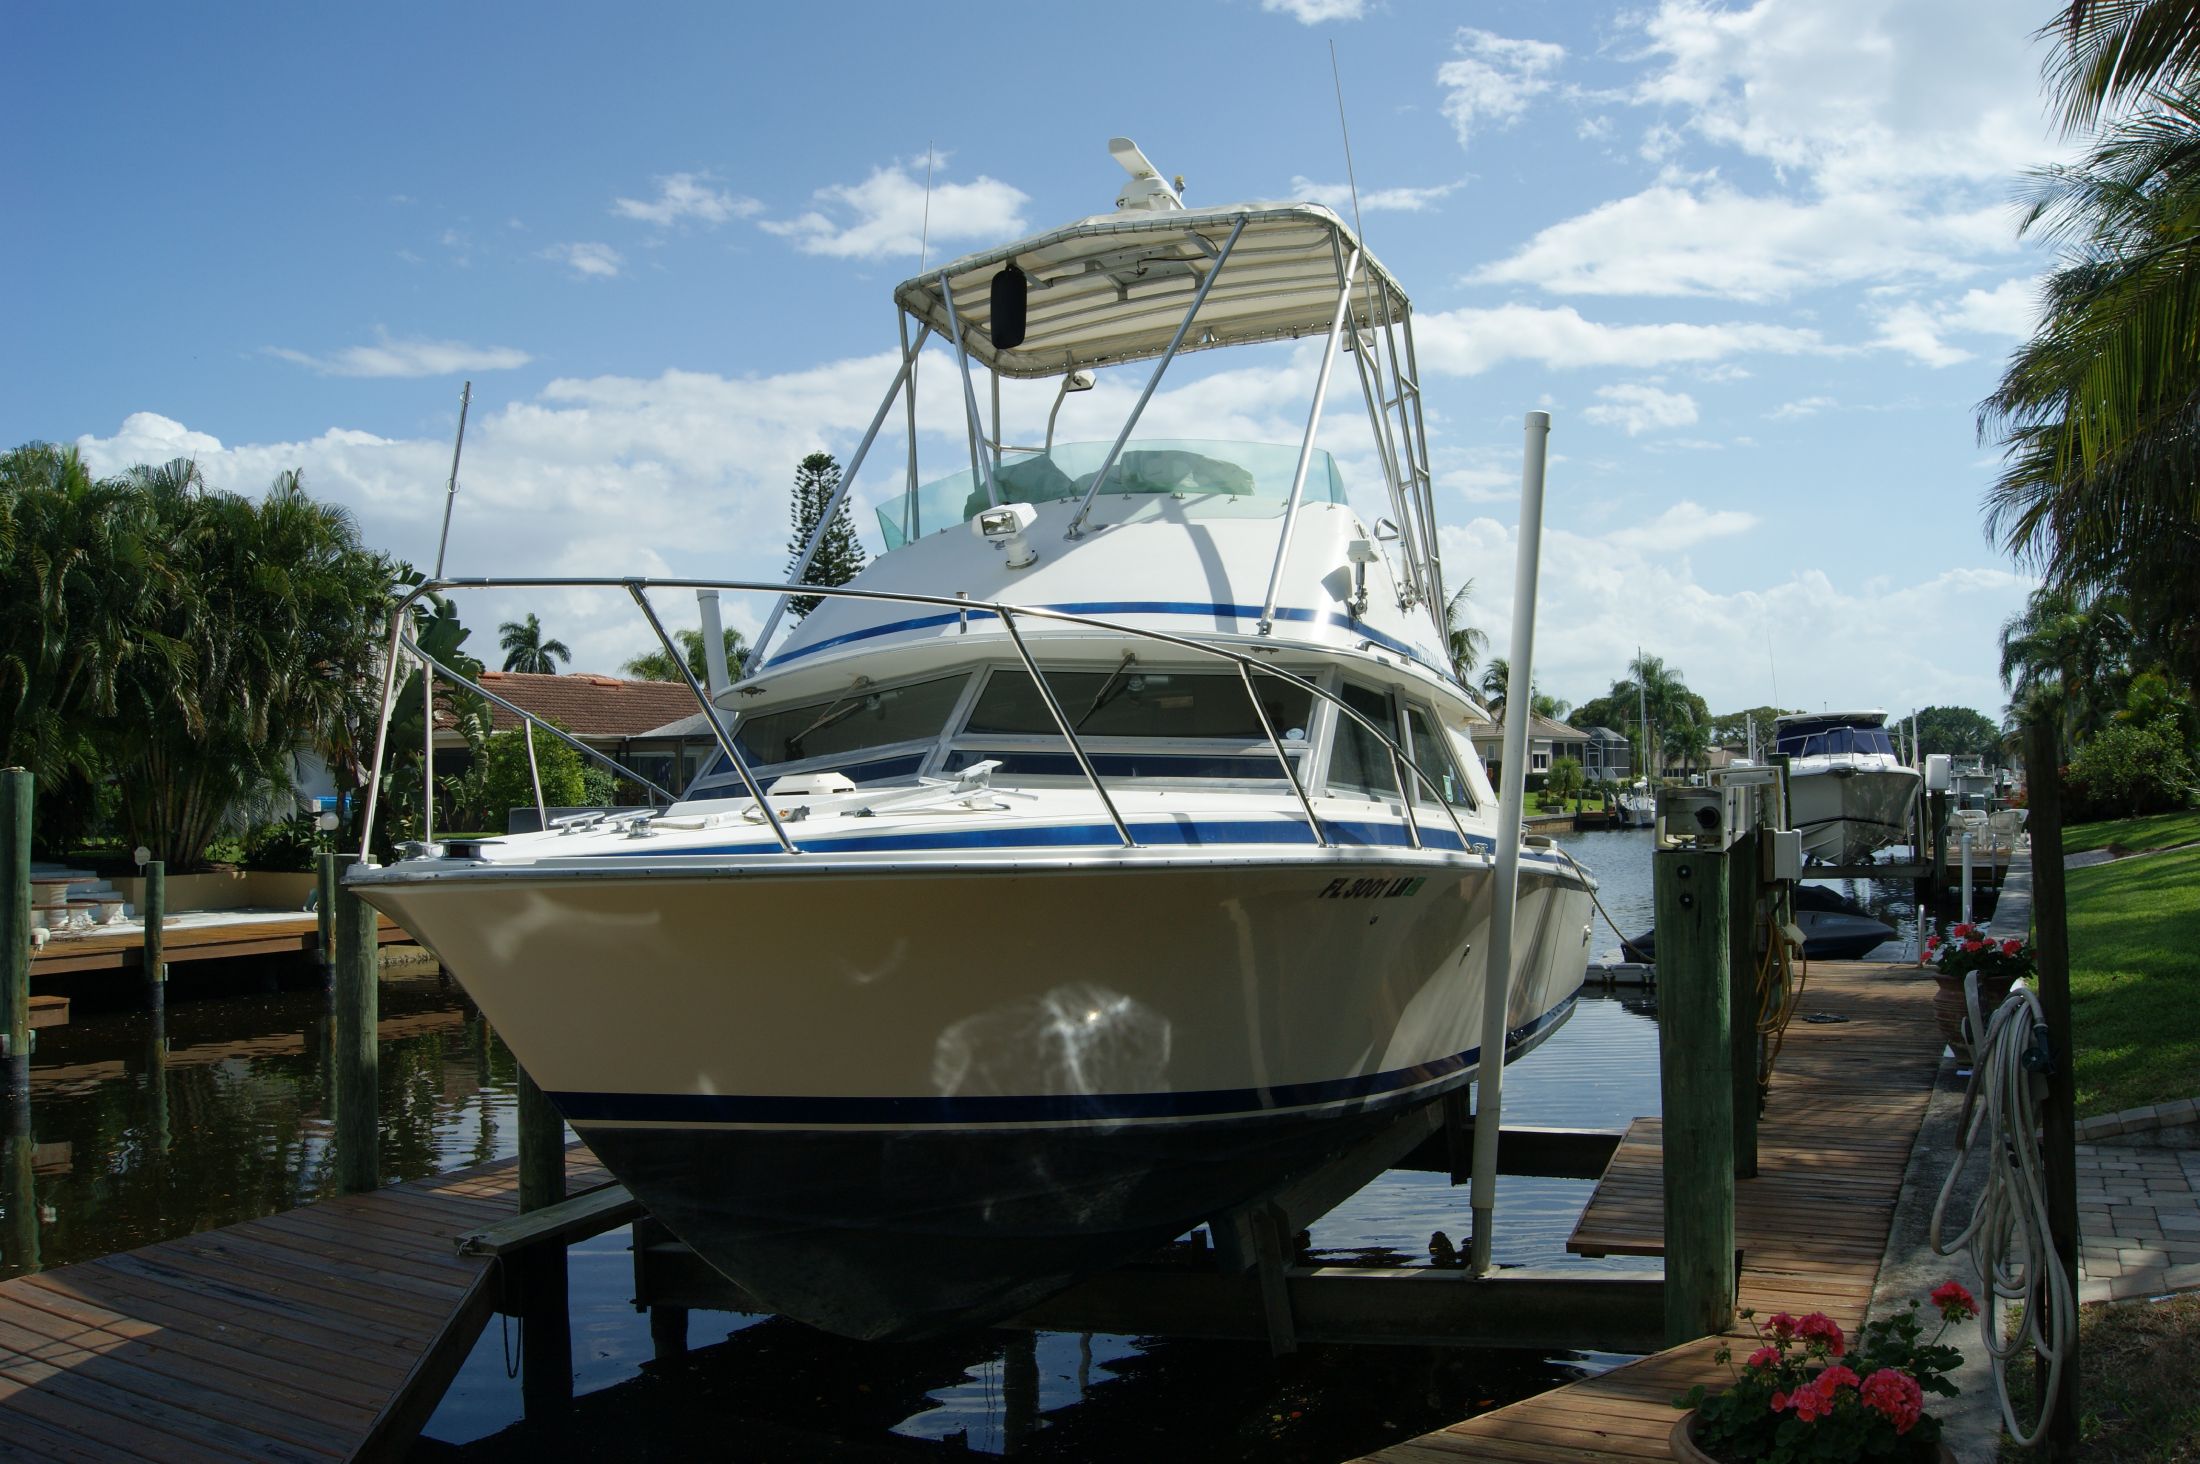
(450, 494)
(1351, 177)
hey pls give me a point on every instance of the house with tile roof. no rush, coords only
(1548, 740)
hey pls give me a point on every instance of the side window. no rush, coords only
(1360, 763)
(1433, 756)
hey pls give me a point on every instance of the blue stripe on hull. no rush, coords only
(1164, 833)
(737, 1108)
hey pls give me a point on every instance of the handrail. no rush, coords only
(635, 587)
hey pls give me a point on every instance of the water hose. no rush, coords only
(2008, 1237)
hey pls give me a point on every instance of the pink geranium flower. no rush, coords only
(2012, 946)
(1955, 1303)
(1764, 1357)
(1895, 1395)
(1780, 1325)
(1818, 1327)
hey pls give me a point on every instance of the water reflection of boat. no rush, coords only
(1848, 792)
(1109, 852)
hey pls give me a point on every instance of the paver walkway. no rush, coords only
(2139, 1218)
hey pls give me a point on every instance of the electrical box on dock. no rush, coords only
(1783, 854)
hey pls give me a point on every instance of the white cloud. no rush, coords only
(1314, 12)
(1604, 593)
(1913, 330)
(1715, 240)
(1491, 78)
(1803, 407)
(686, 196)
(884, 215)
(587, 261)
(1858, 96)
(1637, 408)
(1594, 129)
(2011, 308)
(1687, 524)
(392, 356)
(1338, 196)
(1468, 342)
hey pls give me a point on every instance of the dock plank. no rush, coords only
(1847, 1101)
(291, 1338)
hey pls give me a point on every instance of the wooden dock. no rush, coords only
(321, 1333)
(276, 935)
(1848, 1097)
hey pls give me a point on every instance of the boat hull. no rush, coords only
(897, 1101)
(1846, 814)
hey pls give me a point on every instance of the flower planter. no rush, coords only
(1684, 1444)
(1950, 1011)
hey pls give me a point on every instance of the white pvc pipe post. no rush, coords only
(1966, 876)
(1505, 884)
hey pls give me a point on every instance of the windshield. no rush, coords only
(1836, 740)
(1187, 469)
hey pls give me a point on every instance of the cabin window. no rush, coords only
(1135, 722)
(870, 734)
(1132, 702)
(1359, 762)
(1433, 756)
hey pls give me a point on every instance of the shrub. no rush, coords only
(504, 784)
(2127, 769)
(287, 845)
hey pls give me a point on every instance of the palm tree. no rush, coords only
(2068, 654)
(2110, 51)
(1686, 741)
(1496, 682)
(1463, 642)
(2099, 414)
(526, 650)
(657, 666)
(1664, 698)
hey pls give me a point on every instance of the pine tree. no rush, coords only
(839, 556)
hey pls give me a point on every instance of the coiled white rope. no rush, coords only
(2008, 1237)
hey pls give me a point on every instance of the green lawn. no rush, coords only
(2134, 979)
(2156, 831)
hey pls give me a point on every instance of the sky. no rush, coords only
(1760, 262)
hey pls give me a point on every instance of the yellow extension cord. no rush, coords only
(1773, 1013)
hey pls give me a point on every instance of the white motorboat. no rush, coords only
(1637, 804)
(1108, 853)
(1848, 792)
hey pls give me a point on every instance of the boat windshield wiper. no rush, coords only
(834, 714)
(1109, 690)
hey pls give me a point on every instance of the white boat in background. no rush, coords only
(1849, 794)
(1638, 805)
(1108, 853)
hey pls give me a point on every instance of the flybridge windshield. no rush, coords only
(1837, 740)
(1184, 469)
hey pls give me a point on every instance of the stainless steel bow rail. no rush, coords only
(403, 645)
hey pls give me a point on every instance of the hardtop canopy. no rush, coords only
(1114, 287)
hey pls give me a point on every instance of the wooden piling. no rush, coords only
(546, 1368)
(2058, 1115)
(153, 908)
(328, 879)
(1745, 928)
(16, 792)
(354, 1088)
(1695, 1080)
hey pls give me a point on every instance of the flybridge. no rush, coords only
(1149, 282)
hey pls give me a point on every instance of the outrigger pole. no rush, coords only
(427, 673)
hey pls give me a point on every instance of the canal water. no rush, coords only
(147, 1128)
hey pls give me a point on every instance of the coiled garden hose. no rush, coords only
(2009, 1238)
